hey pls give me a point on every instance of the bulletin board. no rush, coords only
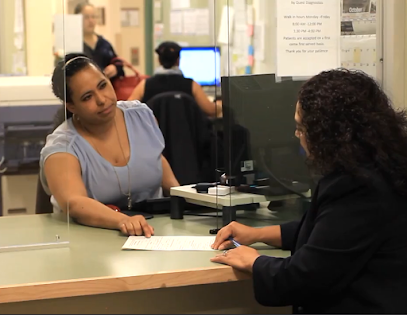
(239, 56)
(166, 29)
(359, 28)
(240, 34)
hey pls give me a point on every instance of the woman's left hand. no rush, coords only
(241, 258)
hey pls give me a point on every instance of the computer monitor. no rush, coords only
(272, 155)
(202, 64)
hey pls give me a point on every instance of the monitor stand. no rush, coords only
(229, 204)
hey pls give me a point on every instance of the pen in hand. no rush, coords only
(234, 242)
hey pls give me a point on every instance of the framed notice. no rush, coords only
(129, 17)
(135, 56)
(308, 37)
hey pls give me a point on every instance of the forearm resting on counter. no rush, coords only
(90, 212)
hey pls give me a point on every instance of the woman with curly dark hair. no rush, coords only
(349, 252)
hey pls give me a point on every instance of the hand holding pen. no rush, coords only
(235, 235)
(239, 257)
(236, 244)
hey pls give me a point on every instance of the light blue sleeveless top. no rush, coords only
(146, 145)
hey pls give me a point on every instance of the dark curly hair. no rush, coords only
(350, 123)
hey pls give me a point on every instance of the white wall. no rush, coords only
(112, 22)
(39, 16)
(133, 37)
(6, 36)
(394, 51)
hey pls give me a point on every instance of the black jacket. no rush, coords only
(103, 55)
(349, 252)
(186, 131)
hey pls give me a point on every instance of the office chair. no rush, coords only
(188, 135)
(43, 202)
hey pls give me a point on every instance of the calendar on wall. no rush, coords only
(359, 52)
(359, 40)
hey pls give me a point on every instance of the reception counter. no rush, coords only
(93, 275)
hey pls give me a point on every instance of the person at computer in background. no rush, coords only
(349, 252)
(168, 77)
(106, 152)
(95, 46)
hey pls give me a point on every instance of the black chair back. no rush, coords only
(43, 202)
(187, 133)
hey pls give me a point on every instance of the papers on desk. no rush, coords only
(170, 243)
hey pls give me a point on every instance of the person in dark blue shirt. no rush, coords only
(95, 46)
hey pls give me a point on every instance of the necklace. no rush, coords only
(128, 194)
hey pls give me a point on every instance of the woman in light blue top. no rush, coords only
(107, 152)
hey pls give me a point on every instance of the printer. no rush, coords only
(27, 110)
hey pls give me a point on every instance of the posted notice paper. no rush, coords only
(170, 243)
(308, 37)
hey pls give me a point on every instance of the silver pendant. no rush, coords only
(129, 202)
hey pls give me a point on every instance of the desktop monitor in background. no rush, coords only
(202, 64)
(272, 157)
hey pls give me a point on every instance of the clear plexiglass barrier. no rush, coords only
(32, 40)
(269, 50)
(264, 51)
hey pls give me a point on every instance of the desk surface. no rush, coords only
(95, 264)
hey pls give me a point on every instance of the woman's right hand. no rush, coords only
(244, 235)
(136, 225)
(110, 71)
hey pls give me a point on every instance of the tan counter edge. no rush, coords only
(104, 285)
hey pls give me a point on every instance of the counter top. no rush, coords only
(93, 262)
